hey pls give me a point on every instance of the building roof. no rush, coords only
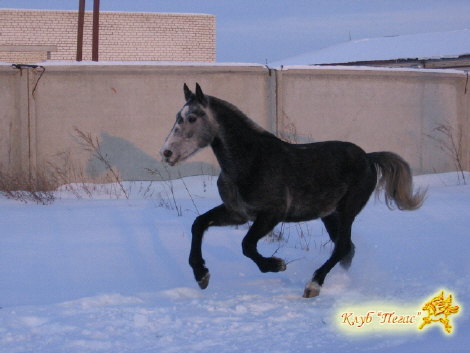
(424, 46)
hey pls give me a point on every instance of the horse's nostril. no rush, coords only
(167, 153)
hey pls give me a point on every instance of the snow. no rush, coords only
(60, 63)
(110, 274)
(373, 68)
(414, 46)
(143, 63)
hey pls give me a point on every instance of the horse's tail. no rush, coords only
(395, 179)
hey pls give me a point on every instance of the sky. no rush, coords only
(265, 31)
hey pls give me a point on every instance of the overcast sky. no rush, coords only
(269, 30)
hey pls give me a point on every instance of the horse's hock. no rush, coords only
(379, 109)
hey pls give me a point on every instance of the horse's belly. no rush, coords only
(320, 205)
(308, 215)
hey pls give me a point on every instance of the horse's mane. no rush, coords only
(229, 115)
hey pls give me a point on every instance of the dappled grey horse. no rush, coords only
(267, 181)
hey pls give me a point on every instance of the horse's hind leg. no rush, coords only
(218, 216)
(343, 247)
(340, 226)
(332, 224)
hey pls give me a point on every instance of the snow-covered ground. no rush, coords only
(422, 46)
(110, 275)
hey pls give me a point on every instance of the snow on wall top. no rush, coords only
(416, 46)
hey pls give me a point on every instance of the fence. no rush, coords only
(129, 109)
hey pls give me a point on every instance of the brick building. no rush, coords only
(29, 36)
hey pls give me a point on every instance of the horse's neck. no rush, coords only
(235, 145)
(234, 153)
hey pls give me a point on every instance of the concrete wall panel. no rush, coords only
(129, 110)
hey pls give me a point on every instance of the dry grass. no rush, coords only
(35, 187)
(92, 145)
(450, 141)
(167, 197)
(65, 174)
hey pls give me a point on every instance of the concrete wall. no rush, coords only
(377, 109)
(130, 110)
(14, 131)
(124, 36)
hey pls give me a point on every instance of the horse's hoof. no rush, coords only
(204, 281)
(281, 265)
(312, 289)
(272, 264)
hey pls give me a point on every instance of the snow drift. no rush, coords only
(104, 274)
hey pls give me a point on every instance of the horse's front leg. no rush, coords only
(218, 216)
(261, 226)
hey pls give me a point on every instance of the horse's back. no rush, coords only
(329, 149)
(329, 159)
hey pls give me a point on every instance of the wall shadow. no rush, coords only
(133, 164)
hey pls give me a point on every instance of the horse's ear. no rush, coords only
(201, 98)
(187, 92)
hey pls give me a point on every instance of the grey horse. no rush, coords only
(266, 180)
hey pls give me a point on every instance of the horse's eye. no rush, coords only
(192, 119)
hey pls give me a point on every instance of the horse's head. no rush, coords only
(194, 128)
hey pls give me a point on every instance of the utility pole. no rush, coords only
(81, 21)
(96, 30)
